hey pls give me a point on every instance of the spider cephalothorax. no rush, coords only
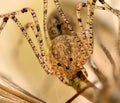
(68, 56)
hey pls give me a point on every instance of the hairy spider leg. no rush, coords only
(45, 2)
(109, 56)
(115, 12)
(108, 8)
(89, 26)
(3, 24)
(46, 35)
(32, 26)
(40, 56)
(86, 35)
(62, 14)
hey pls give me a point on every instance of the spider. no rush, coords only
(67, 53)
(54, 64)
(66, 64)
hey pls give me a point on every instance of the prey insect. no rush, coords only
(67, 53)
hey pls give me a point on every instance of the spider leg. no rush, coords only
(89, 31)
(62, 14)
(24, 10)
(47, 38)
(109, 8)
(3, 24)
(78, 9)
(40, 56)
(115, 12)
(99, 74)
(32, 26)
(82, 34)
(45, 14)
(87, 34)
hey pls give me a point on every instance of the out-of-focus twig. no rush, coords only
(12, 92)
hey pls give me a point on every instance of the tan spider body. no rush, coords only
(68, 53)
(67, 58)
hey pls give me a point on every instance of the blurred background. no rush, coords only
(19, 64)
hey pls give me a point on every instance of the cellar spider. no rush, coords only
(67, 53)
(46, 63)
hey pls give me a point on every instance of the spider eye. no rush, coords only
(58, 64)
(67, 67)
(59, 27)
(71, 59)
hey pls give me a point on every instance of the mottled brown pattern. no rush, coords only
(63, 49)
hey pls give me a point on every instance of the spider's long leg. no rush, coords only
(24, 10)
(36, 33)
(32, 26)
(45, 15)
(62, 14)
(97, 71)
(109, 8)
(46, 35)
(87, 34)
(78, 9)
(82, 34)
(89, 30)
(40, 56)
(3, 24)
(109, 56)
(115, 12)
